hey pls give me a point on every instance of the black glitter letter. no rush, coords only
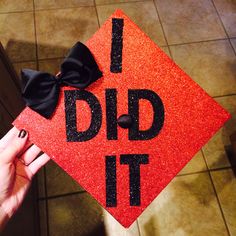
(134, 161)
(158, 114)
(111, 200)
(117, 45)
(70, 109)
(111, 114)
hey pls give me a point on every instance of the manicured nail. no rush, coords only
(22, 133)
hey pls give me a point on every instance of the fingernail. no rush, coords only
(22, 133)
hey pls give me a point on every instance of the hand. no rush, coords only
(18, 165)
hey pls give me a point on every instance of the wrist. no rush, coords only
(3, 218)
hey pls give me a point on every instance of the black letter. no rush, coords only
(117, 45)
(111, 181)
(158, 114)
(134, 161)
(111, 114)
(70, 109)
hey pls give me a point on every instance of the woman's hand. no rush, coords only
(18, 165)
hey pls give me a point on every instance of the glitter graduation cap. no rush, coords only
(127, 135)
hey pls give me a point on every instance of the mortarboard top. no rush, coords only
(172, 118)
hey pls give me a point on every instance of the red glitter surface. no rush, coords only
(191, 118)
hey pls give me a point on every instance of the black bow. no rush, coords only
(41, 90)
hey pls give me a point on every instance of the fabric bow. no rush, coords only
(41, 90)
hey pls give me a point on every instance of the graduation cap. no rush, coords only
(128, 133)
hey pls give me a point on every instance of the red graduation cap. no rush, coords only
(164, 119)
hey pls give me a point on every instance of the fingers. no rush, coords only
(14, 147)
(30, 154)
(8, 138)
(14, 143)
(38, 163)
(12, 133)
(27, 146)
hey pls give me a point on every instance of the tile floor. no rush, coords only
(200, 36)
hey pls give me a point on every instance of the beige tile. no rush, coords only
(189, 20)
(59, 30)
(100, 2)
(52, 4)
(233, 41)
(51, 66)
(17, 35)
(58, 181)
(195, 165)
(227, 11)
(81, 215)
(19, 5)
(142, 13)
(41, 183)
(225, 184)
(24, 65)
(211, 64)
(187, 206)
(215, 150)
(113, 227)
(42, 218)
(75, 215)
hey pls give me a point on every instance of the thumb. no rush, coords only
(14, 147)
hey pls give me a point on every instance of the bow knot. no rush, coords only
(41, 90)
(59, 79)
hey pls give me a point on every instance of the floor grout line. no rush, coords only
(206, 171)
(35, 35)
(195, 42)
(218, 201)
(115, 3)
(42, 59)
(63, 8)
(96, 10)
(214, 189)
(52, 58)
(139, 229)
(163, 31)
(192, 173)
(60, 195)
(204, 159)
(226, 95)
(13, 12)
(222, 168)
(45, 9)
(24, 61)
(232, 46)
